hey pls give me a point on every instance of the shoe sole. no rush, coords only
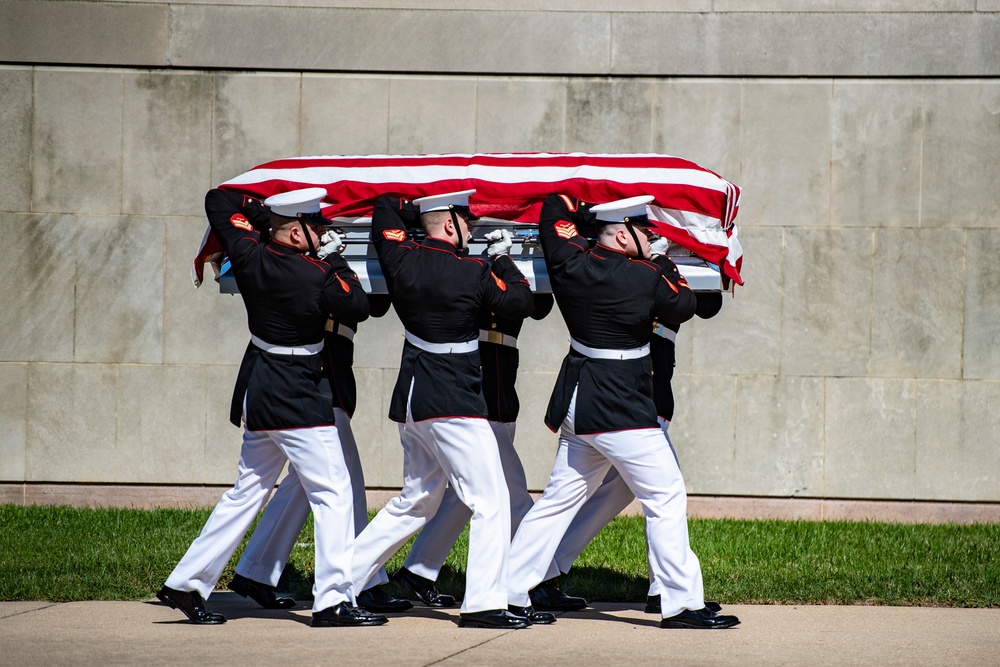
(377, 609)
(335, 624)
(173, 605)
(244, 593)
(675, 625)
(489, 626)
(560, 609)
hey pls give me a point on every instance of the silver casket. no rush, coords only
(526, 253)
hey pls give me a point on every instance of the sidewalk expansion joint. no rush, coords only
(468, 648)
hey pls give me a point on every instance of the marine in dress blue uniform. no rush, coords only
(438, 400)
(271, 544)
(603, 399)
(279, 396)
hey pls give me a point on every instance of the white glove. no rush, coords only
(500, 242)
(659, 246)
(329, 243)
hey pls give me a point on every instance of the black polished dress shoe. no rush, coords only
(653, 605)
(497, 619)
(262, 594)
(699, 619)
(378, 600)
(423, 588)
(344, 615)
(191, 603)
(547, 596)
(534, 617)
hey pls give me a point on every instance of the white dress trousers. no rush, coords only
(279, 528)
(462, 452)
(612, 496)
(435, 541)
(318, 459)
(645, 461)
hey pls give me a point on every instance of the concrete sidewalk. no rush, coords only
(148, 633)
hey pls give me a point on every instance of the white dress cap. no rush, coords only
(290, 204)
(618, 211)
(445, 201)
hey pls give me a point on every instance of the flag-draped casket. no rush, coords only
(693, 207)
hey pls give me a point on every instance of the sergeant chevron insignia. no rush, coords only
(566, 230)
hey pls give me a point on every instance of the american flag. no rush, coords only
(693, 206)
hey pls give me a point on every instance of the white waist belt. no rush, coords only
(598, 353)
(339, 329)
(442, 348)
(664, 332)
(302, 350)
(497, 338)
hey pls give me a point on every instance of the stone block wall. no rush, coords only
(858, 362)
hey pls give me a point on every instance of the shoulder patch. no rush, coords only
(501, 284)
(397, 235)
(566, 229)
(239, 220)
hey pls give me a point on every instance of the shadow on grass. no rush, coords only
(596, 584)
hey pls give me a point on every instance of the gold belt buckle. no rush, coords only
(494, 337)
(331, 326)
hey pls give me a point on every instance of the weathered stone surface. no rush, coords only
(379, 342)
(167, 127)
(222, 439)
(390, 473)
(779, 436)
(15, 138)
(786, 153)
(870, 442)
(877, 132)
(703, 432)
(344, 114)
(199, 326)
(389, 41)
(961, 142)
(791, 43)
(71, 434)
(844, 5)
(119, 290)
(543, 343)
(432, 115)
(13, 420)
(746, 336)
(37, 300)
(161, 423)
(203, 326)
(99, 33)
(609, 115)
(981, 358)
(257, 119)
(700, 120)
(958, 446)
(917, 323)
(826, 303)
(520, 115)
(368, 423)
(536, 445)
(77, 141)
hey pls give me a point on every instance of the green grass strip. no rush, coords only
(62, 554)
